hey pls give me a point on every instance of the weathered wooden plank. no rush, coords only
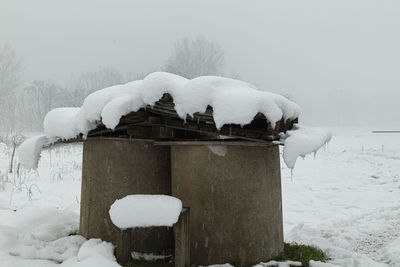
(164, 123)
(182, 239)
(217, 143)
(126, 248)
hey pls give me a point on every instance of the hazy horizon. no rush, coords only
(339, 59)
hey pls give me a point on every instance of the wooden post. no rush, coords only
(126, 249)
(182, 239)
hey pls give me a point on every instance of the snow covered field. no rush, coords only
(346, 201)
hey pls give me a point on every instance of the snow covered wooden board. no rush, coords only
(163, 114)
(233, 102)
(145, 211)
(258, 130)
(167, 106)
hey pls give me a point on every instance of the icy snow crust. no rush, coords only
(233, 102)
(145, 210)
(345, 202)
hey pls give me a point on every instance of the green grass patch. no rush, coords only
(73, 233)
(302, 253)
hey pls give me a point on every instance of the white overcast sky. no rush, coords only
(340, 60)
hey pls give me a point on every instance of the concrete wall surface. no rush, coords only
(113, 169)
(234, 196)
(233, 193)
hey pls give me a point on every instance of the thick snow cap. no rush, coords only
(62, 123)
(145, 210)
(233, 102)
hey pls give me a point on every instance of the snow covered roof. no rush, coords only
(213, 100)
(232, 102)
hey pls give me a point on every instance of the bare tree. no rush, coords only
(10, 79)
(198, 57)
(132, 76)
(9, 69)
(12, 141)
(40, 98)
(87, 83)
(91, 81)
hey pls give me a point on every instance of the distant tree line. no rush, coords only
(23, 107)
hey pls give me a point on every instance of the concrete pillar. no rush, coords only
(112, 169)
(234, 196)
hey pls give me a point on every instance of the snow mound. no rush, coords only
(158, 83)
(112, 103)
(62, 123)
(58, 250)
(28, 152)
(96, 248)
(93, 253)
(233, 102)
(122, 105)
(145, 211)
(302, 141)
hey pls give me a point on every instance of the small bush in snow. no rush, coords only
(302, 253)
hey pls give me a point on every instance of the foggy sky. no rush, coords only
(340, 60)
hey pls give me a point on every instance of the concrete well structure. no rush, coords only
(232, 189)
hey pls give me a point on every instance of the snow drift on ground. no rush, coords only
(145, 210)
(345, 201)
(93, 253)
